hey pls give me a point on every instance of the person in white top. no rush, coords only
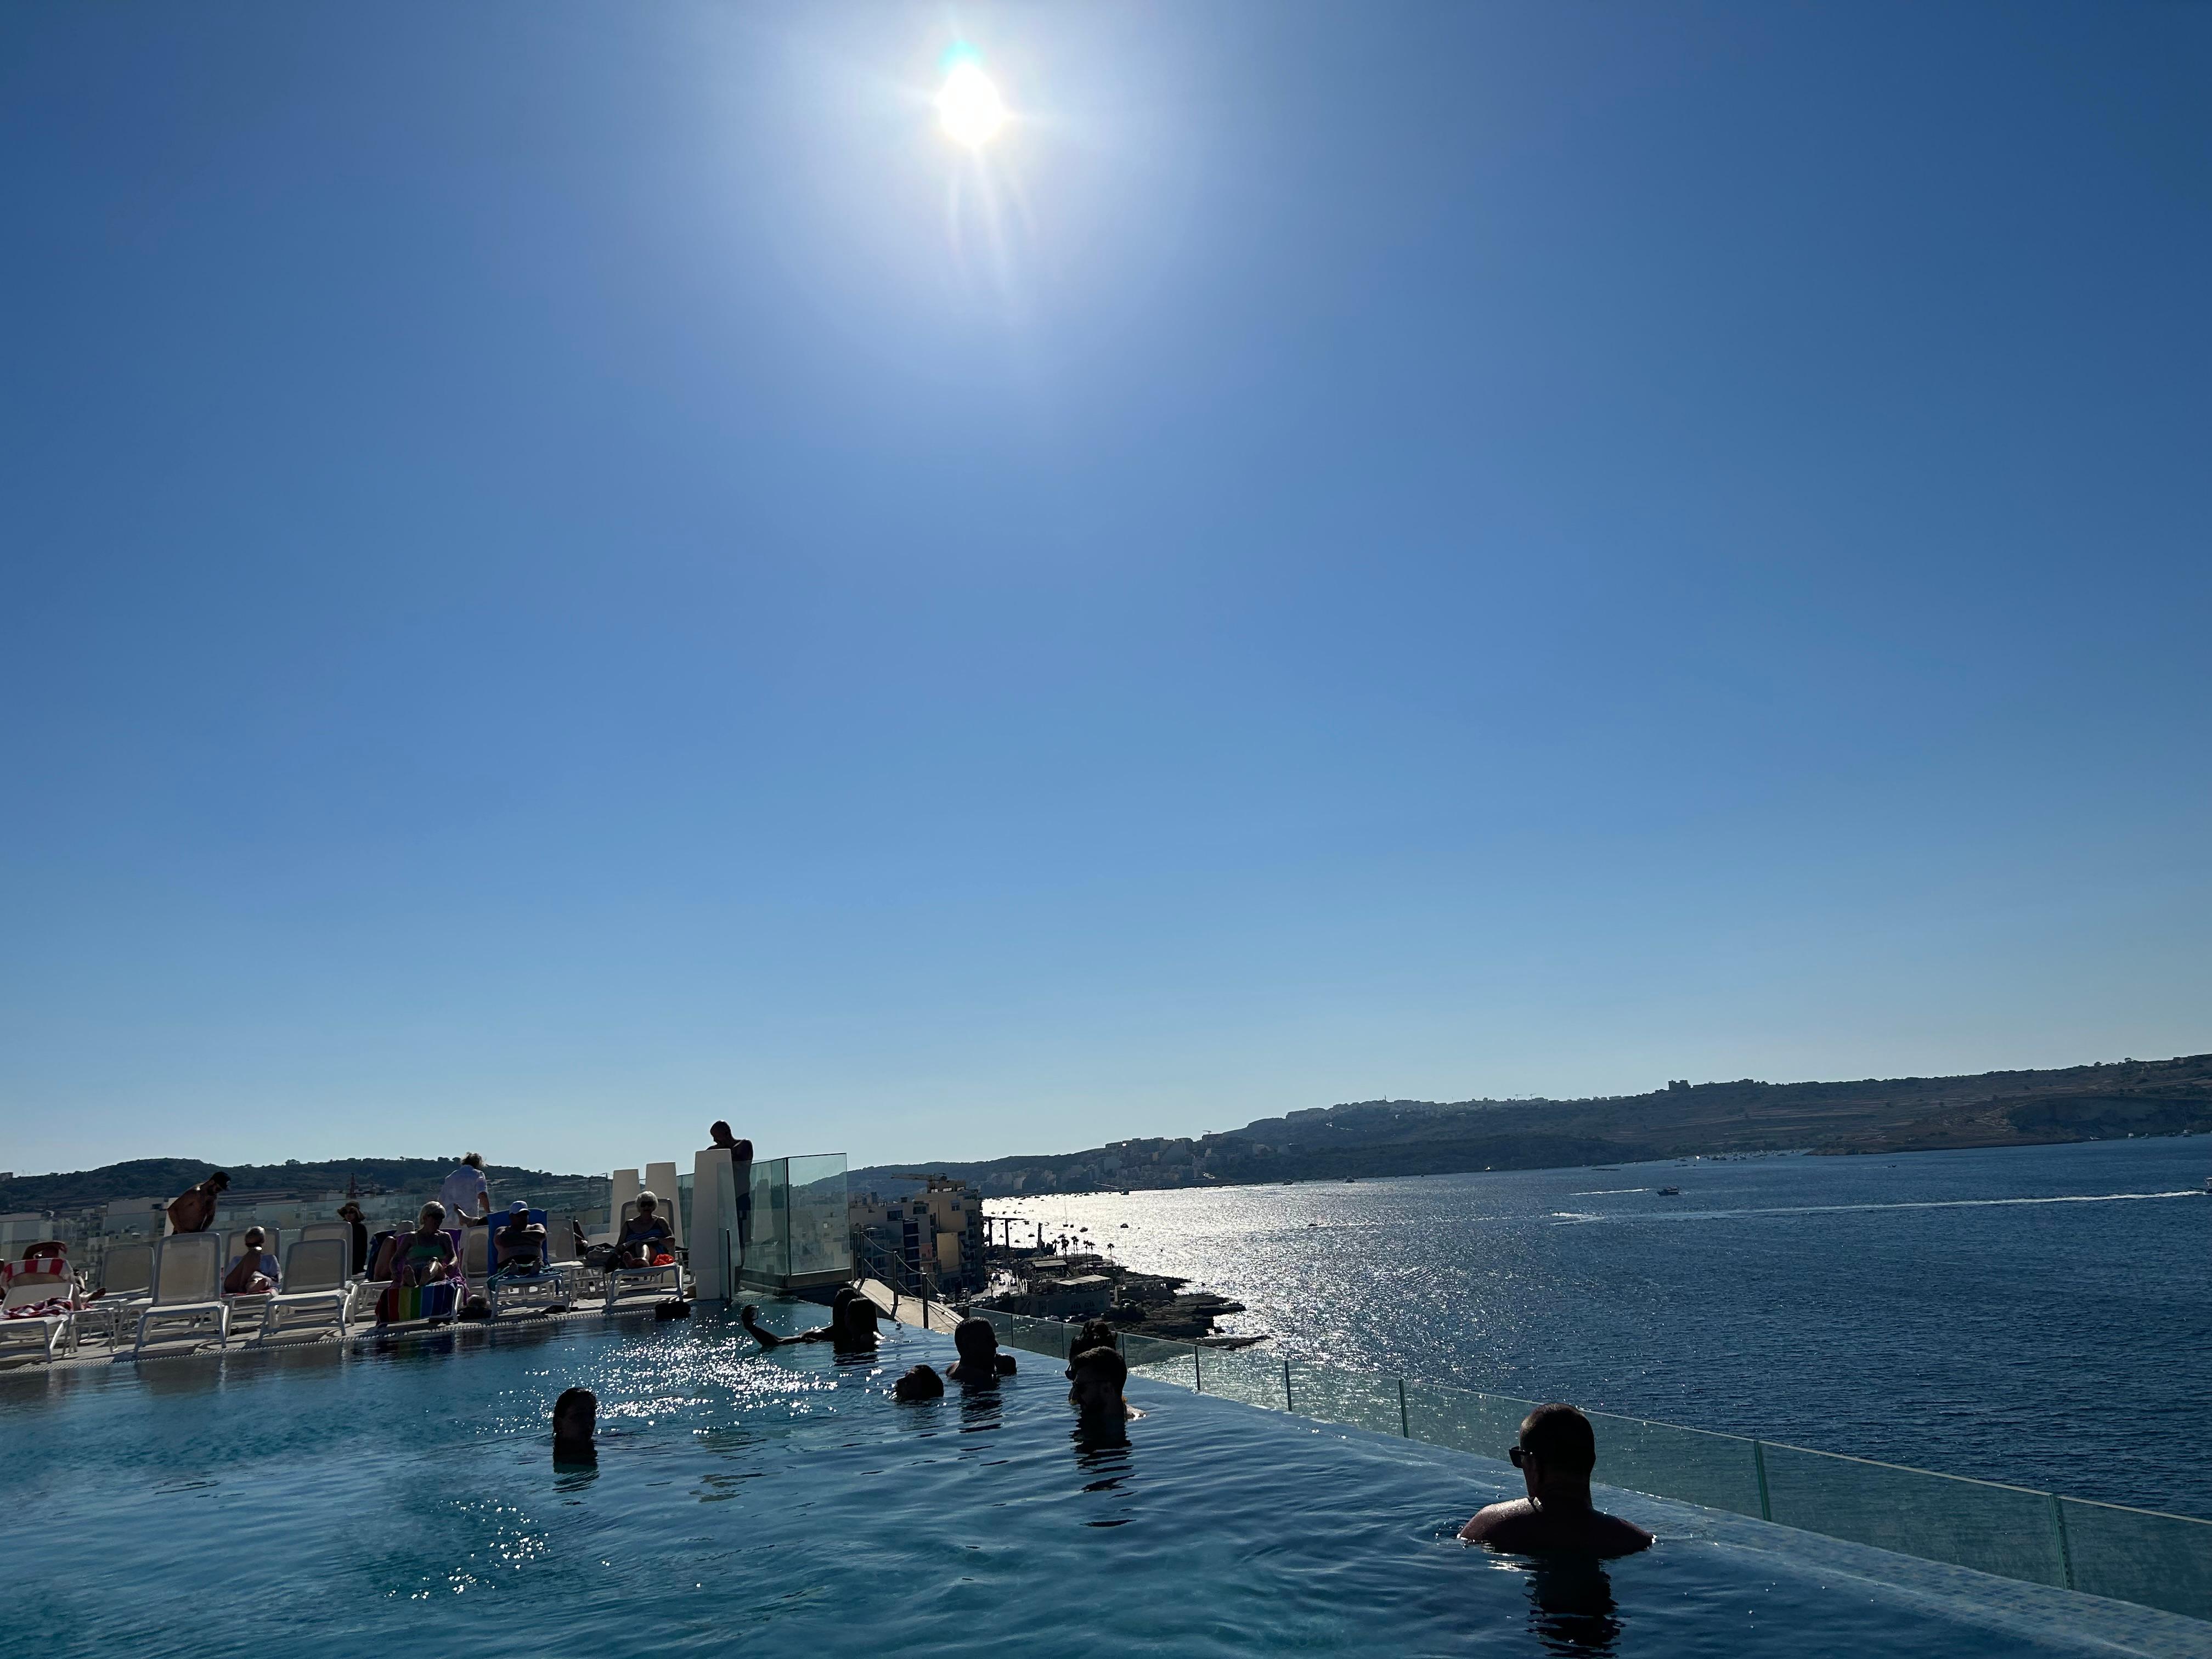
(466, 1194)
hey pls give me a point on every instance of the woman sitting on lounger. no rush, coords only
(424, 1256)
(254, 1273)
(646, 1240)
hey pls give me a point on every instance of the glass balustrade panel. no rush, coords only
(2139, 1555)
(2007, 1530)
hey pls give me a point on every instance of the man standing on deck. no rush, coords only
(1557, 1451)
(193, 1211)
(465, 1193)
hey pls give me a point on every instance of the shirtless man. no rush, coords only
(1557, 1451)
(194, 1211)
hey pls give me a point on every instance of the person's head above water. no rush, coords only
(920, 1383)
(1095, 1378)
(854, 1320)
(1557, 1451)
(979, 1359)
(575, 1415)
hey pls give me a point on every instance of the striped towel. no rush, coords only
(400, 1302)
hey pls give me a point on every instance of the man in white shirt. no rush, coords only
(466, 1194)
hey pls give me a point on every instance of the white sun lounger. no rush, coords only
(126, 1281)
(664, 1280)
(42, 1333)
(187, 1293)
(316, 1293)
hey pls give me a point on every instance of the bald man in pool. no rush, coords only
(1557, 1451)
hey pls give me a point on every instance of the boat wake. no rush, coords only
(1908, 1203)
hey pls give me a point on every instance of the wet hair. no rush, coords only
(1101, 1362)
(570, 1401)
(474, 1160)
(975, 1339)
(1562, 1436)
(855, 1316)
(920, 1383)
(1095, 1334)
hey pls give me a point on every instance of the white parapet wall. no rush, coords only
(660, 1181)
(714, 1223)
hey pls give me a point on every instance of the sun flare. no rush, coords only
(970, 107)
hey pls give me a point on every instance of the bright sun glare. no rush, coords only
(970, 107)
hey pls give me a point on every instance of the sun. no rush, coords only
(970, 107)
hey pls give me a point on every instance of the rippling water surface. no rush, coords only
(2039, 1315)
(325, 1502)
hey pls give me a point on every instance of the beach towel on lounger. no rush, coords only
(399, 1303)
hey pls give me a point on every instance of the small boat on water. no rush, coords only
(2208, 1186)
(1670, 1191)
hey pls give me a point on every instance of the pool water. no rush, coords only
(376, 1503)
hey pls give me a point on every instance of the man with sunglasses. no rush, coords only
(1557, 1451)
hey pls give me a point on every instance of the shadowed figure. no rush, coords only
(1570, 1606)
(851, 1329)
(1557, 1451)
(981, 1364)
(575, 1425)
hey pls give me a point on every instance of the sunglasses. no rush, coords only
(1516, 1455)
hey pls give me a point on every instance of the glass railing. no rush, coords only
(797, 1231)
(2155, 1561)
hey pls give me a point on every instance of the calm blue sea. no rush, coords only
(2039, 1315)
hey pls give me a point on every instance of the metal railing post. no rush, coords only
(1197, 1371)
(2065, 1549)
(1758, 1459)
(1403, 1429)
(1286, 1385)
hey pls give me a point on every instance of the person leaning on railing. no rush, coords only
(1557, 1451)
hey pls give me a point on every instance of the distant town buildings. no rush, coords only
(934, 1236)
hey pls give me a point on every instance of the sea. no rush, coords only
(2039, 1315)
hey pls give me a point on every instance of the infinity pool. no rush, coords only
(322, 1501)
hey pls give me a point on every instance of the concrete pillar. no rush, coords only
(713, 1224)
(626, 1189)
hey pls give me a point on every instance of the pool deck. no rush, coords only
(97, 1352)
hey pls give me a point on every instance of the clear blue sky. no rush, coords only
(572, 570)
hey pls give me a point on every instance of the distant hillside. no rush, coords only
(165, 1177)
(2098, 1101)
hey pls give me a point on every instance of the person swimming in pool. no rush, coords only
(1095, 1378)
(922, 1383)
(852, 1327)
(1557, 1451)
(981, 1364)
(575, 1421)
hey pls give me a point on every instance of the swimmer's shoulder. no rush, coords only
(1507, 1526)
